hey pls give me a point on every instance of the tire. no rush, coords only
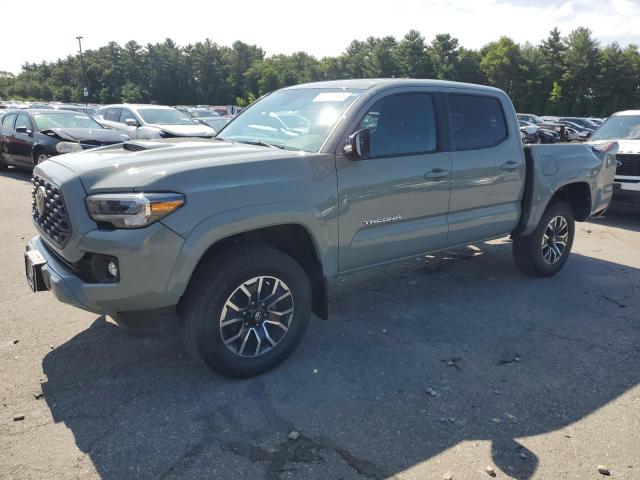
(39, 156)
(216, 287)
(534, 254)
(3, 163)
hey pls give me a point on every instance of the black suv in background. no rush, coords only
(28, 137)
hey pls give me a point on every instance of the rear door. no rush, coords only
(23, 142)
(488, 167)
(394, 203)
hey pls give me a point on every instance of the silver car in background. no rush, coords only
(151, 121)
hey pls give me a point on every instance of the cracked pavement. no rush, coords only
(447, 363)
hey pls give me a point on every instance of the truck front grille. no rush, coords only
(48, 210)
(628, 165)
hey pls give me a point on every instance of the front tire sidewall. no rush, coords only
(202, 316)
(39, 156)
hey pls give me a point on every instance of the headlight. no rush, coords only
(68, 147)
(132, 210)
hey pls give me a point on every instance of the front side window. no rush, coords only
(295, 119)
(164, 116)
(478, 121)
(23, 121)
(401, 125)
(127, 114)
(46, 121)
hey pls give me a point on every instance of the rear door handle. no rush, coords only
(436, 174)
(509, 166)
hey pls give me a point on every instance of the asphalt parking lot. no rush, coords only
(433, 367)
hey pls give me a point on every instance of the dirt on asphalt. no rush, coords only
(442, 365)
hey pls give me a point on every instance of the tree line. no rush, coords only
(572, 75)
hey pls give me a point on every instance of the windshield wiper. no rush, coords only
(261, 143)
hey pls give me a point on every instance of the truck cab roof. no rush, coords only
(370, 83)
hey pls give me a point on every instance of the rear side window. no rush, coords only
(401, 125)
(113, 114)
(478, 121)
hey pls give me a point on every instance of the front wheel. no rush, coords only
(246, 310)
(39, 156)
(545, 251)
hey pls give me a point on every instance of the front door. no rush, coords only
(394, 203)
(23, 141)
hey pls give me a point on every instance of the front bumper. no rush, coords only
(626, 191)
(146, 258)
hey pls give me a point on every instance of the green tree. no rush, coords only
(581, 58)
(412, 57)
(444, 55)
(503, 65)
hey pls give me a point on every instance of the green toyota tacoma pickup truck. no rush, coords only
(234, 238)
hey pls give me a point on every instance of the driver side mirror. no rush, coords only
(130, 122)
(358, 144)
(23, 130)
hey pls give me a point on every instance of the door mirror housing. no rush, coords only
(131, 122)
(23, 130)
(358, 144)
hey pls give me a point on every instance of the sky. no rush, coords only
(319, 28)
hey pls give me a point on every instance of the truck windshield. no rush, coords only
(296, 119)
(619, 127)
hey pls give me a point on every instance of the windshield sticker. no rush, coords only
(332, 97)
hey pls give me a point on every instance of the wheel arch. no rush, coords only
(35, 150)
(302, 237)
(578, 196)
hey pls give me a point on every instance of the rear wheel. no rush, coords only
(246, 310)
(545, 251)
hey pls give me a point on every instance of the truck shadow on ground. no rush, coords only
(621, 216)
(416, 358)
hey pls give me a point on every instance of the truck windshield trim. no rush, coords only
(296, 119)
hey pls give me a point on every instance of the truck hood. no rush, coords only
(186, 130)
(126, 166)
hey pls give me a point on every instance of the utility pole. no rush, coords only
(85, 90)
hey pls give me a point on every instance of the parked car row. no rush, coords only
(568, 129)
(30, 135)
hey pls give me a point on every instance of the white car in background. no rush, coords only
(151, 121)
(624, 128)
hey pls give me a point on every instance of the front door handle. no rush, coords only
(436, 174)
(509, 166)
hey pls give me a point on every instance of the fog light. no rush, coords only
(112, 268)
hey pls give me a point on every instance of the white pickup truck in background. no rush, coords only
(624, 128)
